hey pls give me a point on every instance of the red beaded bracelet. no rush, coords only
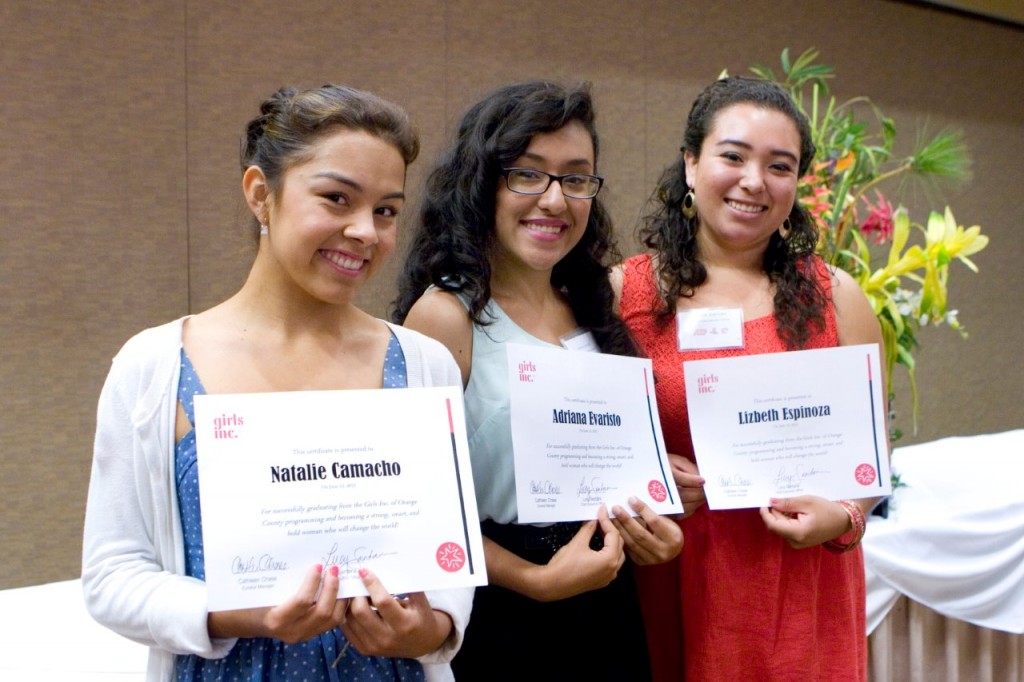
(859, 526)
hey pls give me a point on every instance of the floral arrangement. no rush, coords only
(861, 231)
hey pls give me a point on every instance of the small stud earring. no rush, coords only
(264, 230)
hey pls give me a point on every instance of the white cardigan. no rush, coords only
(133, 555)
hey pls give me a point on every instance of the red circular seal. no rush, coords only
(657, 491)
(865, 474)
(450, 557)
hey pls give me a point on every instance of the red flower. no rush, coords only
(879, 223)
(817, 201)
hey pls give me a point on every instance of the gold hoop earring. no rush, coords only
(785, 229)
(689, 206)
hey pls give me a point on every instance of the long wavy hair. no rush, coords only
(452, 242)
(800, 298)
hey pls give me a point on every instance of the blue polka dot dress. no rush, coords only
(269, 659)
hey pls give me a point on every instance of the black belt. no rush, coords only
(524, 538)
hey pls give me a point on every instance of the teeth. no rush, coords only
(343, 262)
(746, 208)
(549, 229)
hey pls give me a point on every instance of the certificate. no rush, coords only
(362, 478)
(783, 424)
(585, 432)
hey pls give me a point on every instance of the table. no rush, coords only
(945, 570)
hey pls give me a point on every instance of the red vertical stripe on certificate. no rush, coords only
(458, 485)
(654, 434)
(874, 422)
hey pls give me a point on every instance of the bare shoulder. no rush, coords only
(855, 318)
(437, 309)
(442, 316)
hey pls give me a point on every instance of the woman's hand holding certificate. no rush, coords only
(383, 625)
(649, 538)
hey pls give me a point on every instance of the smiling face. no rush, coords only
(745, 178)
(536, 231)
(334, 219)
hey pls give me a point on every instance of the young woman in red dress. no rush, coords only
(775, 593)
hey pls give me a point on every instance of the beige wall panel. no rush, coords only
(237, 58)
(92, 241)
(578, 40)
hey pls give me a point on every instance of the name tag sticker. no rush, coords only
(709, 328)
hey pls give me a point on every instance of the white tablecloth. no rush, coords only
(954, 539)
(47, 635)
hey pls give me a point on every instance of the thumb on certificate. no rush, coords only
(792, 506)
(378, 594)
(607, 527)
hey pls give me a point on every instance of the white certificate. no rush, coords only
(783, 424)
(364, 478)
(586, 432)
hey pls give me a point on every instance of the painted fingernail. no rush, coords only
(319, 568)
(363, 573)
(334, 571)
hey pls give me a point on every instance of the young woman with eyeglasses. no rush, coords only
(512, 247)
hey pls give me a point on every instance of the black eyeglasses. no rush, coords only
(530, 181)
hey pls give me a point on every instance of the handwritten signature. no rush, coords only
(358, 557)
(734, 481)
(544, 488)
(595, 487)
(261, 564)
(790, 478)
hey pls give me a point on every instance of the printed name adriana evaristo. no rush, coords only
(587, 418)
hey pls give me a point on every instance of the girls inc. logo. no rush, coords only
(226, 426)
(526, 371)
(706, 383)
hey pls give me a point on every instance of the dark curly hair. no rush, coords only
(452, 242)
(800, 299)
(291, 121)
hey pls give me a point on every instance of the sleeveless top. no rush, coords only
(743, 602)
(325, 657)
(488, 421)
(510, 636)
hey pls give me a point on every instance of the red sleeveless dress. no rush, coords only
(739, 603)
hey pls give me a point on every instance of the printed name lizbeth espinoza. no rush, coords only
(787, 414)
